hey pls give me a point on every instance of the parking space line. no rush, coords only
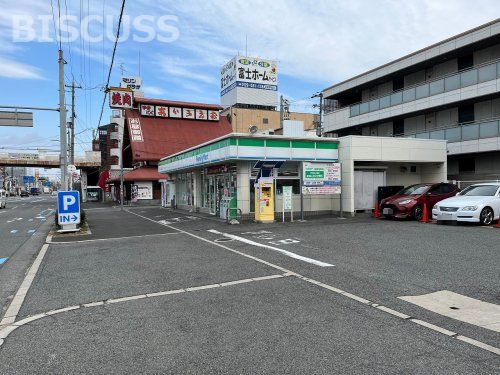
(387, 310)
(284, 252)
(10, 324)
(114, 238)
(17, 301)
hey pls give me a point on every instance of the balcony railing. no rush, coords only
(479, 74)
(463, 132)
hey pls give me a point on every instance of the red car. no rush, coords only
(409, 202)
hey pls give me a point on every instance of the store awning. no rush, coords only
(140, 174)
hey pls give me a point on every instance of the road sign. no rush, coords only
(8, 118)
(68, 207)
(287, 201)
(29, 179)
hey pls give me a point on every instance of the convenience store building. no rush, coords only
(201, 178)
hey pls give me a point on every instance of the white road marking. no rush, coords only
(8, 325)
(113, 238)
(13, 231)
(285, 252)
(395, 313)
(14, 307)
(459, 307)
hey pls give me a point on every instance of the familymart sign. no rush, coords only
(251, 148)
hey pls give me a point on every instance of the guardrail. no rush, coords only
(462, 132)
(464, 78)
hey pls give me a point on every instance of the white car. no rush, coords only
(479, 203)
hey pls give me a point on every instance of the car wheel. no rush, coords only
(418, 213)
(486, 216)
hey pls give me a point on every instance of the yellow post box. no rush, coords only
(264, 200)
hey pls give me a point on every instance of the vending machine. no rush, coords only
(264, 200)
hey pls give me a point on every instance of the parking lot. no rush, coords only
(172, 292)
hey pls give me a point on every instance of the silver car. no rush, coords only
(479, 203)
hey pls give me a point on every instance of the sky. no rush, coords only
(178, 47)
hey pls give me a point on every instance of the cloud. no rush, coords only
(153, 90)
(16, 69)
(187, 68)
(324, 41)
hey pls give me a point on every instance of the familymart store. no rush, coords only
(225, 173)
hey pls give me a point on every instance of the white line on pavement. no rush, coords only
(10, 325)
(113, 238)
(14, 307)
(285, 252)
(362, 300)
(457, 306)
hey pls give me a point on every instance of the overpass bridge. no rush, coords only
(92, 159)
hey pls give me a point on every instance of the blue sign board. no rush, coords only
(29, 179)
(68, 207)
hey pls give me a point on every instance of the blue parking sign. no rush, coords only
(68, 207)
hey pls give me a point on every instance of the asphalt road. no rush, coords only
(24, 224)
(205, 297)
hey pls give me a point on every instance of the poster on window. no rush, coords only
(144, 190)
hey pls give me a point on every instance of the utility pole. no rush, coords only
(72, 123)
(319, 126)
(281, 111)
(62, 125)
(120, 144)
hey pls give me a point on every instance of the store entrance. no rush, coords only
(218, 186)
(212, 193)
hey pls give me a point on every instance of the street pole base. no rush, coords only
(68, 228)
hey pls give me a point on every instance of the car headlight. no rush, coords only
(406, 201)
(436, 207)
(469, 208)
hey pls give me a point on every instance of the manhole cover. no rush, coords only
(223, 239)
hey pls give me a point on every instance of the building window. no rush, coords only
(398, 127)
(265, 120)
(466, 113)
(465, 62)
(467, 165)
(398, 83)
(294, 183)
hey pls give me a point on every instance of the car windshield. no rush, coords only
(480, 191)
(414, 190)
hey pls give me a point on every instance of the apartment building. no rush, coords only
(449, 91)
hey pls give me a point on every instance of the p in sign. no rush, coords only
(68, 207)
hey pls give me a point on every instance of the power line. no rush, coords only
(112, 61)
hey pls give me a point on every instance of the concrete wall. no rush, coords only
(391, 154)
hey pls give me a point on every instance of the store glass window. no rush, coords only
(294, 183)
